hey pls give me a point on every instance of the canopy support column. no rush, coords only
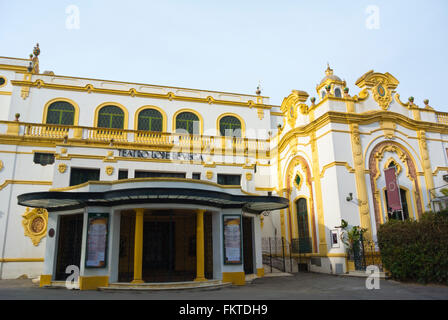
(138, 246)
(200, 276)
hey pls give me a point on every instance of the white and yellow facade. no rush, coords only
(316, 153)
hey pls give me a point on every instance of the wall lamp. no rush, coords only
(350, 197)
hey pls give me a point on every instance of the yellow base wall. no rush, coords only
(260, 272)
(238, 278)
(45, 280)
(93, 283)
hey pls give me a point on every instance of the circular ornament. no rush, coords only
(35, 224)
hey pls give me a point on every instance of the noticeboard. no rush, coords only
(97, 236)
(232, 239)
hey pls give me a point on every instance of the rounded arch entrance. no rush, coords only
(290, 184)
(404, 155)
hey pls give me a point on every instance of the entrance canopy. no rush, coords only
(151, 190)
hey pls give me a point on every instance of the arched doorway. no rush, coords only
(302, 183)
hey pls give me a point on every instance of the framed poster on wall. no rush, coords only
(97, 236)
(334, 236)
(232, 239)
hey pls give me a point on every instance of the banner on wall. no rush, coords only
(393, 190)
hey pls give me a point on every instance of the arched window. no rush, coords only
(323, 94)
(61, 112)
(187, 122)
(230, 126)
(150, 120)
(111, 117)
(302, 225)
(337, 93)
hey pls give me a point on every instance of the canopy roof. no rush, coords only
(151, 190)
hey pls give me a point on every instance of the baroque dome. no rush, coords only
(329, 75)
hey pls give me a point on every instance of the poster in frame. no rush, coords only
(232, 239)
(334, 236)
(97, 238)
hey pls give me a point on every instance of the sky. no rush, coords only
(233, 46)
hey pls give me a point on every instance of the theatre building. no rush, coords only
(133, 184)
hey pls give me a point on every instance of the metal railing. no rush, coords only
(364, 254)
(281, 255)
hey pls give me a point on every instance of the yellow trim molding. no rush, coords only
(21, 260)
(336, 163)
(7, 182)
(134, 93)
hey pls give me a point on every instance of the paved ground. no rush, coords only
(298, 286)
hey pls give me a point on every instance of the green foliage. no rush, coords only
(352, 237)
(416, 250)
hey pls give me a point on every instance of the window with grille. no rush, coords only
(111, 117)
(61, 112)
(187, 122)
(81, 175)
(122, 174)
(229, 179)
(150, 120)
(230, 126)
(43, 158)
(159, 174)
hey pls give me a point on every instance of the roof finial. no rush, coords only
(329, 71)
(258, 92)
(34, 64)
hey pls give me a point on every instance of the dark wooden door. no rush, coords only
(248, 246)
(69, 244)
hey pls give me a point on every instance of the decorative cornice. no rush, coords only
(89, 88)
(336, 163)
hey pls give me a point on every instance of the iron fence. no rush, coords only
(283, 256)
(365, 253)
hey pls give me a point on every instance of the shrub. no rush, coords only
(416, 250)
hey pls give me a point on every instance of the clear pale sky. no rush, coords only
(232, 45)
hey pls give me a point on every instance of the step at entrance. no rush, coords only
(212, 284)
